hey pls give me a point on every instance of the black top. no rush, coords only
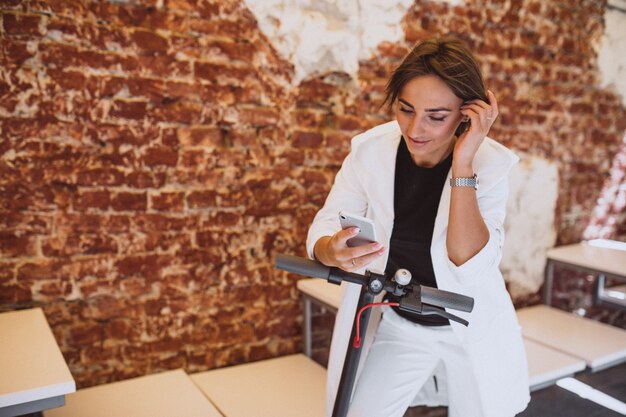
(417, 192)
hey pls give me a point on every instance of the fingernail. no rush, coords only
(377, 246)
(356, 231)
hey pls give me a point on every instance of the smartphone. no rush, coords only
(367, 232)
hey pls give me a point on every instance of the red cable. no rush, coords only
(357, 338)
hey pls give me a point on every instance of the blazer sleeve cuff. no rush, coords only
(471, 271)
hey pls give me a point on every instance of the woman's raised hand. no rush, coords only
(481, 115)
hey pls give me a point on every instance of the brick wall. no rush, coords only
(156, 156)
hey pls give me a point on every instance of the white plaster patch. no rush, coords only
(612, 50)
(322, 36)
(529, 224)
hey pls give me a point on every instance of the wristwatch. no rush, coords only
(465, 182)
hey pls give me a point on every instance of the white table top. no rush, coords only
(166, 394)
(587, 255)
(598, 344)
(546, 365)
(329, 294)
(282, 387)
(31, 362)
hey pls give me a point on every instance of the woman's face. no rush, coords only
(428, 113)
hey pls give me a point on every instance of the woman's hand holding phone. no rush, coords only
(336, 251)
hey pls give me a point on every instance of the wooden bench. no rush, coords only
(166, 394)
(282, 387)
(546, 365)
(599, 345)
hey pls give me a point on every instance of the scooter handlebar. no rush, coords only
(446, 299)
(302, 266)
(315, 269)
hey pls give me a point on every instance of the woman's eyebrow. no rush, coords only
(406, 103)
(433, 110)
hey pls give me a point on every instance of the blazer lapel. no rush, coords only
(443, 211)
(383, 179)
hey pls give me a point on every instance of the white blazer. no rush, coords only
(364, 185)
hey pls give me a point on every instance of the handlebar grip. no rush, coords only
(446, 299)
(302, 266)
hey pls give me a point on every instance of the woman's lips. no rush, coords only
(419, 142)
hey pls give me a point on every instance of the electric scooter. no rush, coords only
(414, 299)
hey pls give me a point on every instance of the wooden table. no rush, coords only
(598, 257)
(33, 373)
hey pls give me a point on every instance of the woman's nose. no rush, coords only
(415, 127)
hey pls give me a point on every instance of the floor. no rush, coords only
(557, 402)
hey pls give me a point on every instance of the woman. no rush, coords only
(436, 188)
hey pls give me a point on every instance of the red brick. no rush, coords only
(160, 222)
(311, 119)
(16, 51)
(127, 109)
(14, 293)
(172, 242)
(201, 135)
(83, 244)
(146, 87)
(12, 245)
(202, 199)
(349, 123)
(182, 89)
(236, 29)
(125, 201)
(168, 201)
(21, 24)
(177, 111)
(258, 116)
(149, 41)
(100, 176)
(316, 90)
(234, 51)
(392, 50)
(85, 200)
(72, 56)
(160, 156)
(37, 270)
(213, 72)
(158, 65)
(146, 266)
(85, 334)
(307, 139)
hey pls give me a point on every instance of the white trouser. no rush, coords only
(402, 358)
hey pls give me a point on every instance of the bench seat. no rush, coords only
(599, 345)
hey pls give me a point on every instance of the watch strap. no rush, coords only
(465, 182)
